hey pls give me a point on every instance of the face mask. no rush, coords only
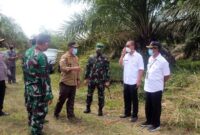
(98, 51)
(11, 48)
(128, 50)
(150, 52)
(75, 51)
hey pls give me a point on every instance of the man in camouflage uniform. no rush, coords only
(97, 76)
(37, 84)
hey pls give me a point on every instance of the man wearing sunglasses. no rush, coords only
(133, 67)
(157, 74)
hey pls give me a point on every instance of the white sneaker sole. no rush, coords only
(155, 129)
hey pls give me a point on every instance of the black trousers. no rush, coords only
(66, 93)
(153, 108)
(12, 77)
(130, 100)
(2, 93)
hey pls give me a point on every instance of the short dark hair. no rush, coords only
(71, 44)
(133, 43)
(42, 39)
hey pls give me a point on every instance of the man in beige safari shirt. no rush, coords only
(70, 79)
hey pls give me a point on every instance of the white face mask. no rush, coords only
(75, 51)
(128, 50)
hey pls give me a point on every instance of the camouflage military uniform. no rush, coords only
(97, 72)
(37, 88)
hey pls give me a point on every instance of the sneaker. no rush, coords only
(124, 116)
(145, 124)
(134, 119)
(153, 128)
(3, 114)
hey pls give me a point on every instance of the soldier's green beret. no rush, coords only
(99, 45)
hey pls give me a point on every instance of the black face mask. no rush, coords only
(99, 52)
(11, 48)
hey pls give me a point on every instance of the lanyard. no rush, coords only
(147, 74)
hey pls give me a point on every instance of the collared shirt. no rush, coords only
(11, 62)
(69, 77)
(157, 69)
(132, 64)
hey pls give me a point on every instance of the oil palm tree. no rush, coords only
(115, 21)
(186, 21)
(12, 32)
(111, 19)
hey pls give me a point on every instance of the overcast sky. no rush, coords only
(32, 15)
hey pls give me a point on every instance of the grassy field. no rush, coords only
(181, 107)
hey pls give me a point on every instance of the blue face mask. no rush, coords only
(150, 52)
(75, 51)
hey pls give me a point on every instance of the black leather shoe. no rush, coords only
(56, 116)
(134, 119)
(124, 116)
(74, 119)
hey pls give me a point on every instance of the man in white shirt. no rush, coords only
(133, 67)
(157, 74)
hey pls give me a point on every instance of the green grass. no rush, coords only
(181, 106)
(192, 66)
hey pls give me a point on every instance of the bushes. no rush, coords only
(193, 66)
(116, 71)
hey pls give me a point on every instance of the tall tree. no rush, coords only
(116, 19)
(12, 32)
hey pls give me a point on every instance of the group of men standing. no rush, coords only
(38, 92)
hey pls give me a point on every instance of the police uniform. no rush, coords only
(37, 88)
(97, 74)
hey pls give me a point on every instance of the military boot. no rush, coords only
(100, 112)
(87, 110)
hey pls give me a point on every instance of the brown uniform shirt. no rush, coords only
(68, 76)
